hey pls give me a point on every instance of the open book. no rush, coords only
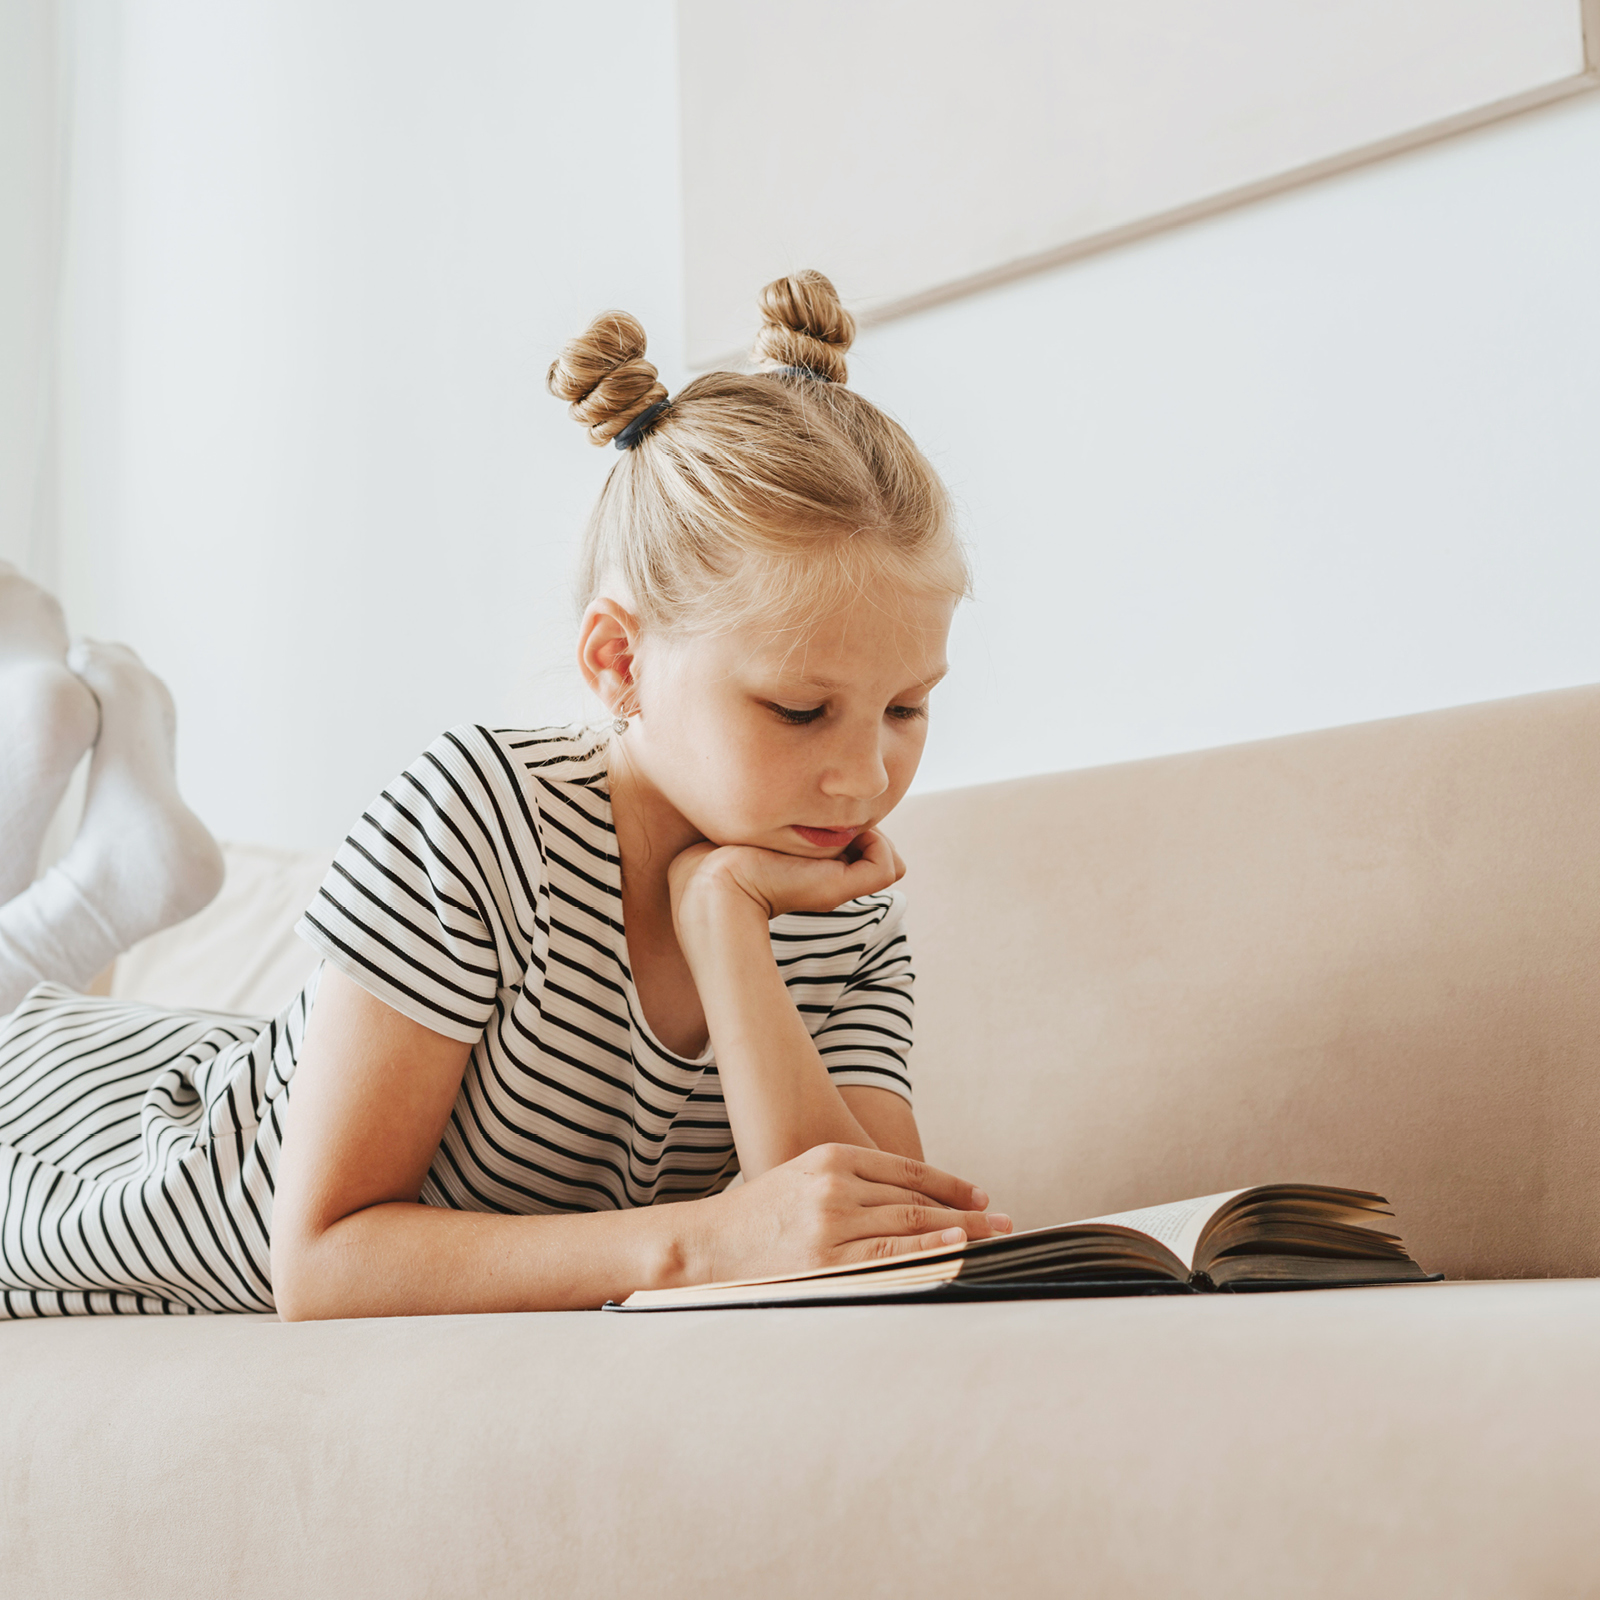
(1275, 1236)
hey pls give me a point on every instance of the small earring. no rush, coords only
(619, 724)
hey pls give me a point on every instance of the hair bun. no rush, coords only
(604, 374)
(804, 325)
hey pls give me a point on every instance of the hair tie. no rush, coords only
(803, 372)
(635, 431)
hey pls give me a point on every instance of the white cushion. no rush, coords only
(240, 953)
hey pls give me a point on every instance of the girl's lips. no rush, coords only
(828, 838)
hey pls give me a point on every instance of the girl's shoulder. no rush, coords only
(482, 814)
(510, 787)
(569, 752)
(560, 772)
(481, 766)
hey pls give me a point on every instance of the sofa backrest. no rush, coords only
(1367, 956)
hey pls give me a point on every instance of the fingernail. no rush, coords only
(952, 1236)
(998, 1219)
(979, 1198)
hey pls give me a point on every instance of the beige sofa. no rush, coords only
(1368, 956)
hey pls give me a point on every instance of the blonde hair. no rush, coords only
(771, 496)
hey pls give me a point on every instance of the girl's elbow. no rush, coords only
(300, 1291)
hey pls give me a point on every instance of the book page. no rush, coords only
(1178, 1224)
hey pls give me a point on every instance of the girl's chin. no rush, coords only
(783, 842)
(787, 841)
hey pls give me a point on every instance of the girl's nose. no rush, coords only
(857, 771)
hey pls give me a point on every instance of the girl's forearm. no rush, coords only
(402, 1259)
(780, 1098)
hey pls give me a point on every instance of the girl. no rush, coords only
(570, 973)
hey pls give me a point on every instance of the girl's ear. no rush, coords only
(608, 640)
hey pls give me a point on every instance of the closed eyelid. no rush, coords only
(796, 715)
(799, 716)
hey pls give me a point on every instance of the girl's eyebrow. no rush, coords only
(829, 683)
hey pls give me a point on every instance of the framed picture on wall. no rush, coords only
(920, 149)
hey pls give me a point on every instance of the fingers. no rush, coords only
(895, 1195)
(914, 1220)
(895, 864)
(910, 1205)
(878, 854)
(883, 1166)
(886, 1249)
(848, 1203)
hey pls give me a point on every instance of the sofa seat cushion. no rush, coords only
(1420, 1441)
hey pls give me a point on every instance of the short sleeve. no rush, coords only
(405, 908)
(866, 1037)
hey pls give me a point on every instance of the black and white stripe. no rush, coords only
(136, 1155)
(480, 895)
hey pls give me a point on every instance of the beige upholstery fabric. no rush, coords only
(1367, 956)
(1430, 1442)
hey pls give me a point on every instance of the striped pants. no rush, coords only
(137, 1148)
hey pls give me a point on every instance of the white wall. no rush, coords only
(321, 257)
(29, 153)
(1326, 458)
(1331, 457)
(1007, 135)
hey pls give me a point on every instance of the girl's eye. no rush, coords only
(798, 718)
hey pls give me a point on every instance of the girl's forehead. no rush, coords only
(867, 642)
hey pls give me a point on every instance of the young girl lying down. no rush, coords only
(569, 973)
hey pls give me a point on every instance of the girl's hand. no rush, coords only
(777, 882)
(834, 1205)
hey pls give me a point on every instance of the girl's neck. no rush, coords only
(651, 832)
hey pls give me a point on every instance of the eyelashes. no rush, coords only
(800, 719)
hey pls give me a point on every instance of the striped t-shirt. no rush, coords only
(479, 895)
(482, 897)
